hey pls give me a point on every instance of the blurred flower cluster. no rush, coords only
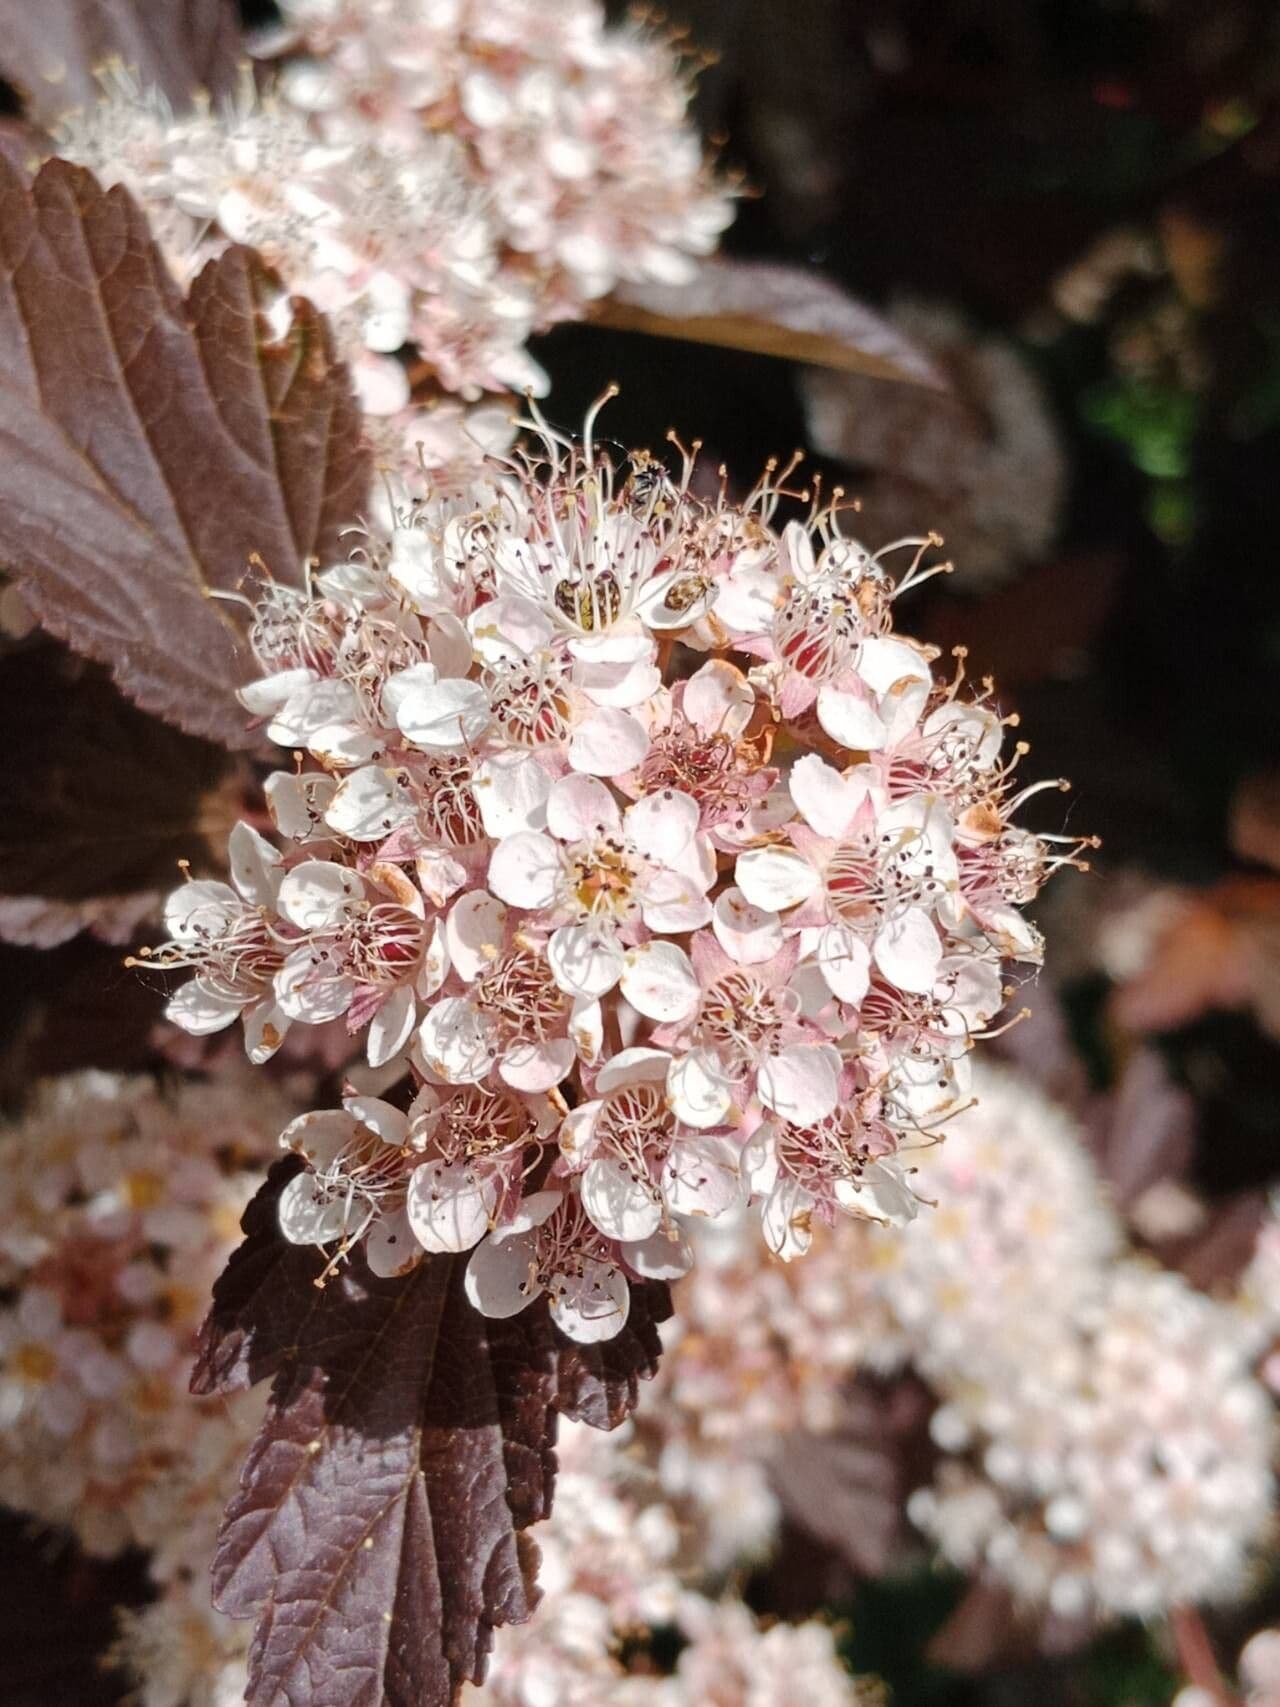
(120, 1202)
(444, 178)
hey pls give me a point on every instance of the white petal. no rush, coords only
(255, 865)
(265, 1027)
(786, 1219)
(618, 683)
(608, 742)
(585, 961)
(826, 799)
(885, 664)
(457, 1041)
(269, 694)
(659, 981)
(318, 895)
(295, 802)
(586, 1028)
(450, 714)
(383, 1118)
(450, 645)
(620, 1206)
(448, 1208)
(201, 1011)
(400, 687)
(674, 902)
(499, 1280)
(883, 1195)
(801, 1083)
(579, 808)
(526, 870)
(592, 1307)
(699, 1093)
(719, 699)
(845, 963)
(391, 1027)
(390, 1247)
(309, 1216)
(535, 1067)
(314, 706)
(512, 791)
(746, 933)
(908, 950)
(850, 718)
(662, 1256)
(510, 627)
(702, 1177)
(320, 1136)
(307, 991)
(474, 933)
(205, 909)
(774, 878)
(662, 825)
(369, 805)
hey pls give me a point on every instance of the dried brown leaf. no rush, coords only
(50, 51)
(408, 1444)
(149, 446)
(774, 310)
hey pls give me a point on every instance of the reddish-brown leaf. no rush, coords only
(774, 310)
(149, 446)
(848, 1489)
(408, 1443)
(51, 50)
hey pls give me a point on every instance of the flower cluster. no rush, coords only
(1130, 1476)
(120, 1207)
(578, 132)
(395, 250)
(609, 1573)
(625, 819)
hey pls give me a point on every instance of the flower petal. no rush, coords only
(369, 805)
(451, 713)
(608, 742)
(474, 933)
(662, 1256)
(319, 895)
(255, 865)
(801, 1084)
(448, 1206)
(390, 1247)
(201, 1011)
(702, 1177)
(621, 1206)
(457, 1041)
(537, 1067)
(391, 1027)
(512, 791)
(787, 1219)
(774, 878)
(525, 870)
(699, 1093)
(845, 963)
(851, 718)
(826, 799)
(908, 951)
(308, 1215)
(719, 699)
(499, 1280)
(748, 934)
(662, 825)
(579, 808)
(593, 1306)
(659, 981)
(585, 961)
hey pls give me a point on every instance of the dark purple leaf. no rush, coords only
(50, 50)
(408, 1443)
(774, 310)
(149, 447)
(101, 801)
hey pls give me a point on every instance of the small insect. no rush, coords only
(591, 603)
